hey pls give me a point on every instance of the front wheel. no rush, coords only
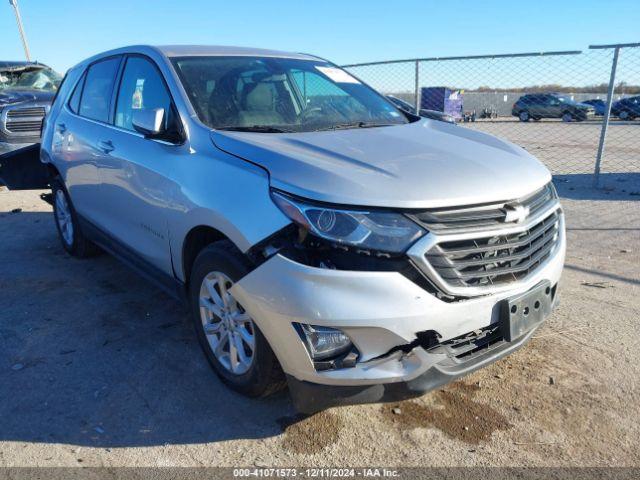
(233, 344)
(623, 115)
(524, 116)
(69, 232)
(567, 117)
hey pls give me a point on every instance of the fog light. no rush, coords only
(323, 342)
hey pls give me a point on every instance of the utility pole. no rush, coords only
(14, 4)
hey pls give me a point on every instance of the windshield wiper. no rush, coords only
(256, 128)
(344, 126)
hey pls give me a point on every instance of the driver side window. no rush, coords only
(141, 88)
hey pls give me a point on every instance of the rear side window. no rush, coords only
(98, 88)
(74, 101)
(141, 87)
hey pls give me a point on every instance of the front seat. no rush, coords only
(259, 107)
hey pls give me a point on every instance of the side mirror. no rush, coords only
(148, 121)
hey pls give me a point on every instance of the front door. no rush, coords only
(136, 177)
(553, 107)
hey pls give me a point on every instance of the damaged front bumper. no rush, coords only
(386, 315)
(311, 397)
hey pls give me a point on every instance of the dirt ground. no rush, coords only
(97, 368)
(571, 148)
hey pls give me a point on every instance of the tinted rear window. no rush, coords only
(74, 101)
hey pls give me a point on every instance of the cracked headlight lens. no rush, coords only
(370, 230)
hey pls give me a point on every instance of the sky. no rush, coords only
(63, 32)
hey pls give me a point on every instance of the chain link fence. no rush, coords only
(577, 111)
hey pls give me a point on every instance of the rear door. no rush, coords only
(531, 103)
(78, 140)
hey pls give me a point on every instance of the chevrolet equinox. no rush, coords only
(322, 238)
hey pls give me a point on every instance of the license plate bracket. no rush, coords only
(525, 311)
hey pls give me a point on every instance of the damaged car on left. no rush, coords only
(27, 90)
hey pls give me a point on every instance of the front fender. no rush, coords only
(227, 194)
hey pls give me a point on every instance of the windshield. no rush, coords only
(30, 78)
(273, 95)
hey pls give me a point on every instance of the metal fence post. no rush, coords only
(605, 121)
(417, 87)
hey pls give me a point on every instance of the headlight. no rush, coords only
(384, 231)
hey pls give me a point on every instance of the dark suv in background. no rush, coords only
(26, 92)
(627, 108)
(550, 105)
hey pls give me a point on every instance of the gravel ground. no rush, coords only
(571, 148)
(97, 368)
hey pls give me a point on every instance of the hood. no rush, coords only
(425, 164)
(12, 96)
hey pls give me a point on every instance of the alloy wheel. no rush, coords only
(64, 218)
(227, 326)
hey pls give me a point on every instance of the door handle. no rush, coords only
(61, 128)
(106, 146)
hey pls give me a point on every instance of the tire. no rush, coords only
(567, 117)
(67, 225)
(524, 116)
(222, 262)
(624, 115)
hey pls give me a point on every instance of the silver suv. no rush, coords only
(321, 237)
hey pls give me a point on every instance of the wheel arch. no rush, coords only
(194, 242)
(53, 170)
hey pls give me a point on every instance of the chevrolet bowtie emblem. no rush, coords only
(515, 213)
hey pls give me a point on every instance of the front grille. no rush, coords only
(24, 126)
(483, 216)
(26, 112)
(495, 260)
(25, 120)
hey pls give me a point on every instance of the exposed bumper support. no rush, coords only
(311, 397)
